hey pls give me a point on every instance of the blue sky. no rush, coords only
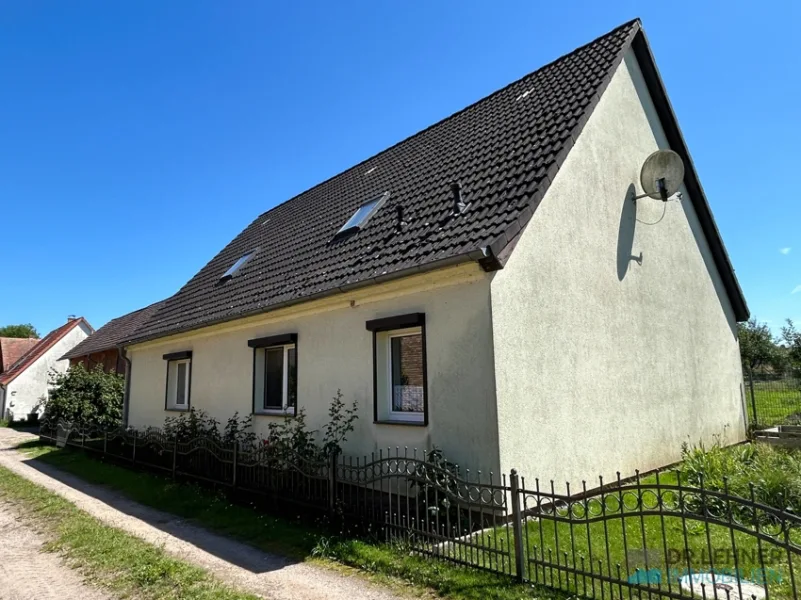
(138, 138)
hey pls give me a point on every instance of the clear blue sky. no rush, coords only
(138, 138)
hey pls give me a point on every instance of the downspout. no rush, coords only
(127, 390)
(3, 406)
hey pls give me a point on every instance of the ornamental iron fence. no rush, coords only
(645, 537)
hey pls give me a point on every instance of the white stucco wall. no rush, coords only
(25, 391)
(335, 351)
(604, 364)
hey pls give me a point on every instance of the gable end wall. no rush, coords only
(24, 392)
(614, 338)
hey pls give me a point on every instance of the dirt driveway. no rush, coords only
(28, 572)
(239, 564)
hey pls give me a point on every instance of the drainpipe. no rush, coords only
(4, 389)
(127, 392)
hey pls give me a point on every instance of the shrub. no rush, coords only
(287, 439)
(198, 424)
(291, 438)
(92, 397)
(774, 473)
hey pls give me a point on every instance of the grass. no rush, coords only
(289, 537)
(776, 403)
(107, 556)
(776, 476)
(672, 543)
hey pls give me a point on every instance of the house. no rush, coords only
(26, 382)
(11, 349)
(488, 286)
(101, 348)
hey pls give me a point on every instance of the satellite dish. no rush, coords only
(661, 175)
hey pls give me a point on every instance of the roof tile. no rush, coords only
(503, 150)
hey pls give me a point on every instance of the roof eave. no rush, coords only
(477, 255)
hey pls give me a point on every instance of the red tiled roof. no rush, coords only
(11, 349)
(36, 351)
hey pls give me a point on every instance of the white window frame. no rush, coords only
(395, 415)
(172, 386)
(260, 409)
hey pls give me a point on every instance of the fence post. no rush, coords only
(83, 435)
(236, 457)
(133, 458)
(174, 454)
(105, 442)
(517, 526)
(332, 481)
(753, 397)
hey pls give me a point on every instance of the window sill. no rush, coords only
(176, 409)
(279, 412)
(400, 422)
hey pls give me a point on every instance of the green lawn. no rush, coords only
(392, 564)
(578, 544)
(776, 402)
(669, 543)
(106, 556)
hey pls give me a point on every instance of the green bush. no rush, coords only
(198, 424)
(774, 473)
(92, 397)
(289, 438)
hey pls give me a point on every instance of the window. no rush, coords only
(363, 214)
(234, 268)
(275, 374)
(400, 379)
(179, 377)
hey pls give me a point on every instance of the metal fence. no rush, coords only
(654, 537)
(774, 398)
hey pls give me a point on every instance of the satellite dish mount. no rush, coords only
(661, 175)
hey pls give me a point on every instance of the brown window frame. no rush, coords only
(387, 325)
(263, 344)
(185, 355)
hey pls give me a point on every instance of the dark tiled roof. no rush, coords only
(38, 350)
(11, 349)
(114, 332)
(504, 151)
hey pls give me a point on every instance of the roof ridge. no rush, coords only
(503, 244)
(629, 23)
(505, 151)
(37, 350)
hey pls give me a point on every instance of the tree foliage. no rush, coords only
(25, 330)
(757, 346)
(92, 397)
(792, 342)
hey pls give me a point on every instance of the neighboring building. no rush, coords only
(487, 286)
(26, 382)
(12, 349)
(101, 348)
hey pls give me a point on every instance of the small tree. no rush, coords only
(91, 397)
(792, 341)
(19, 331)
(757, 346)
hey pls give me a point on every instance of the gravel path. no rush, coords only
(243, 566)
(28, 572)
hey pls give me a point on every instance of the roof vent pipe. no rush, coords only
(459, 206)
(400, 223)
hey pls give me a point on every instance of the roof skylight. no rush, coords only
(363, 214)
(241, 261)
